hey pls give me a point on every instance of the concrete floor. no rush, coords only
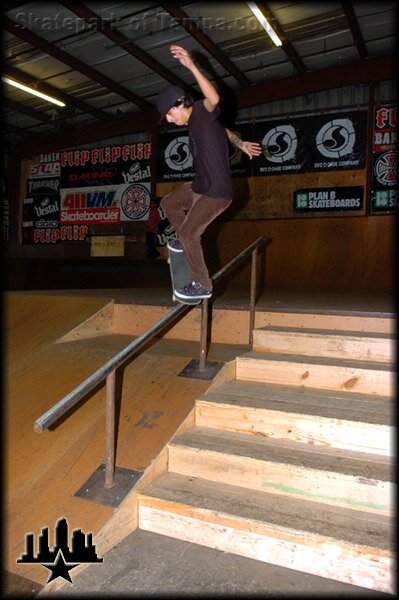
(148, 564)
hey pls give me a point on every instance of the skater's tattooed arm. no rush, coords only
(234, 138)
(250, 148)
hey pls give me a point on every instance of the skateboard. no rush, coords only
(180, 275)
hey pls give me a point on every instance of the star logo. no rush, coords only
(60, 568)
(61, 558)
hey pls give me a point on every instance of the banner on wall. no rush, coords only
(40, 170)
(385, 160)
(333, 141)
(303, 144)
(175, 160)
(40, 222)
(175, 155)
(69, 192)
(328, 199)
(127, 163)
(107, 204)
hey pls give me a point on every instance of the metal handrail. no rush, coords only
(107, 371)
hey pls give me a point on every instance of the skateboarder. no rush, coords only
(194, 205)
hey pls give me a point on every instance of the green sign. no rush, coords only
(328, 199)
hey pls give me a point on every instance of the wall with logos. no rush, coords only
(71, 195)
(318, 184)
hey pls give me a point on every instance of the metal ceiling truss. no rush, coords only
(248, 94)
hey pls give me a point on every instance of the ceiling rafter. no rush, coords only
(31, 112)
(200, 36)
(46, 88)
(74, 63)
(17, 130)
(121, 40)
(286, 44)
(332, 77)
(355, 29)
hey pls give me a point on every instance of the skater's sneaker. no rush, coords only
(192, 291)
(175, 245)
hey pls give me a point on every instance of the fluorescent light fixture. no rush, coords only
(30, 90)
(265, 23)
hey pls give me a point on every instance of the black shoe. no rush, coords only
(175, 245)
(192, 291)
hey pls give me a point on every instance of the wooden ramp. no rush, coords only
(43, 472)
(56, 340)
(289, 458)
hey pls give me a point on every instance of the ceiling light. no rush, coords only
(265, 23)
(21, 86)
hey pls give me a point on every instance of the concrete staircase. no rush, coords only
(289, 460)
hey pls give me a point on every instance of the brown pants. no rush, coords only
(190, 214)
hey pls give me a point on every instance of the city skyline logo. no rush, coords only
(61, 558)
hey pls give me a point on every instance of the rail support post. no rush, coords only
(110, 431)
(252, 296)
(204, 335)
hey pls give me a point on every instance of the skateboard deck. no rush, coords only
(180, 275)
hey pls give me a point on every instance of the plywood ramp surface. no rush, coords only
(44, 471)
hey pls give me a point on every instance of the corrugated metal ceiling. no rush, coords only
(109, 60)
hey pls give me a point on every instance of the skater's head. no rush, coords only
(175, 105)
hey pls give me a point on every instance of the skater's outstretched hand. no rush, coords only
(211, 96)
(251, 148)
(182, 55)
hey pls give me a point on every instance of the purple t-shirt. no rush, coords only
(209, 148)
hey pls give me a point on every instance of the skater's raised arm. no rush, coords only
(211, 96)
(250, 148)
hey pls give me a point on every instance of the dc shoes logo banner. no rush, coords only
(333, 141)
(175, 157)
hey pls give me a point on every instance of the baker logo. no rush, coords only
(386, 168)
(135, 201)
(177, 154)
(280, 144)
(336, 138)
(60, 559)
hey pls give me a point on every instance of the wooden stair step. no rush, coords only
(339, 543)
(325, 342)
(368, 377)
(377, 322)
(331, 475)
(349, 420)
